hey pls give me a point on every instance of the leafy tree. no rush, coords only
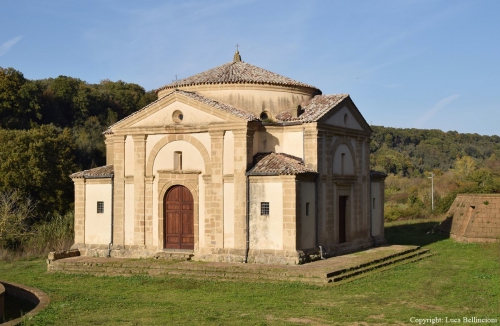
(19, 100)
(89, 141)
(37, 163)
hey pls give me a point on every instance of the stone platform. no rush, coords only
(332, 270)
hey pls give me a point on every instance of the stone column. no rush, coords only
(243, 150)
(119, 189)
(139, 174)
(79, 210)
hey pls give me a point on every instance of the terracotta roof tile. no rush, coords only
(236, 73)
(106, 171)
(314, 108)
(278, 164)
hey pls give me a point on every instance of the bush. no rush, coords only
(53, 235)
(16, 214)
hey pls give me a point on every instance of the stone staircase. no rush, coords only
(377, 265)
(336, 270)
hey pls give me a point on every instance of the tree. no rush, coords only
(19, 100)
(37, 163)
(15, 215)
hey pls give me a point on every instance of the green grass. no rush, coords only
(461, 280)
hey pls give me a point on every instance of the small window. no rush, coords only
(342, 163)
(264, 208)
(177, 161)
(177, 116)
(373, 203)
(100, 207)
(307, 209)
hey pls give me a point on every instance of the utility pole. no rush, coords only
(432, 190)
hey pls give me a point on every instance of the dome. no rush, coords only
(246, 87)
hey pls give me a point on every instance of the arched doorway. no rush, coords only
(178, 228)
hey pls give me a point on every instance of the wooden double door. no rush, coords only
(178, 220)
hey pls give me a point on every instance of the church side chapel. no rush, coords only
(234, 164)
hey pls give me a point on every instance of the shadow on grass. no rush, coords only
(416, 234)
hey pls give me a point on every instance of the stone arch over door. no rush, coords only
(190, 182)
(171, 138)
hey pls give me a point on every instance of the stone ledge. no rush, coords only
(56, 255)
(33, 295)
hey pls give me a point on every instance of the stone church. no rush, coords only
(234, 164)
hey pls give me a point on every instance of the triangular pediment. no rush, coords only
(181, 108)
(174, 113)
(345, 115)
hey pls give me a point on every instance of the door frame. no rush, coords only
(180, 218)
(168, 179)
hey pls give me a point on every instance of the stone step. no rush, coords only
(373, 262)
(408, 257)
(381, 269)
(330, 271)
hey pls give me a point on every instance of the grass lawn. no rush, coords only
(461, 280)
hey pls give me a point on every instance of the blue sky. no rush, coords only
(432, 64)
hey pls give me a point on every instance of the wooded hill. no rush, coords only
(52, 127)
(460, 163)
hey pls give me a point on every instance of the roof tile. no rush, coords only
(106, 171)
(278, 164)
(314, 108)
(238, 72)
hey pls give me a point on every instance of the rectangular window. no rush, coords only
(100, 207)
(307, 209)
(342, 163)
(373, 205)
(264, 208)
(177, 161)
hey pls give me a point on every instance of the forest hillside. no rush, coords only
(52, 127)
(458, 163)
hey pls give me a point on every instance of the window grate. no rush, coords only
(100, 207)
(264, 208)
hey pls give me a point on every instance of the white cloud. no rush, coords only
(5, 47)
(420, 122)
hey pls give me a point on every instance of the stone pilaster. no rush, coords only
(209, 222)
(79, 211)
(328, 229)
(290, 213)
(119, 189)
(359, 217)
(243, 147)
(311, 148)
(139, 174)
(216, 206)
(109, 149)
(148, 211)
(367, 184)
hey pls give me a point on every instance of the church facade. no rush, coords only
(235, 164)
